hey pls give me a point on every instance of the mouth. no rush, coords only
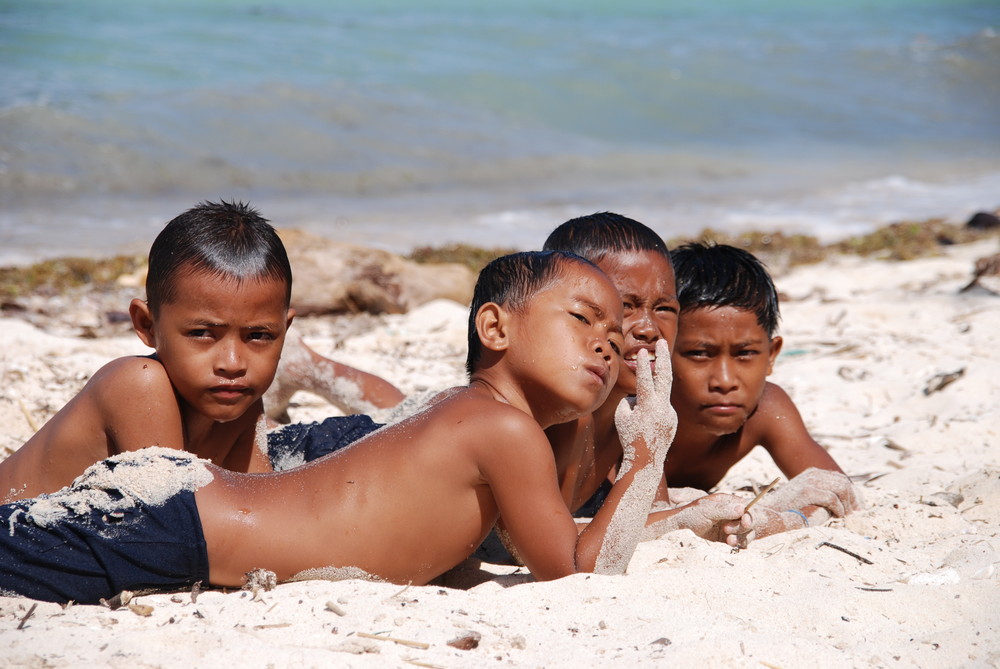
(229, 393)
(723, 409)
(598, 371)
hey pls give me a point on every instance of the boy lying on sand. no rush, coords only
(405, 504)
(588, 450)
(216, 312)
(725, 349)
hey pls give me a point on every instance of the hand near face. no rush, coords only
(648, 419)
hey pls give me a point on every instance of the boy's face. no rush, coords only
(721, 363)
(645, 281)
(569, 342)
(220, 341)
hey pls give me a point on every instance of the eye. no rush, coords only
(580, 317)
(616, 346)
(695, 354)
(260, 335)
(747, 353)
(197, 333)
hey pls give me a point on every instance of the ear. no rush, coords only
(142, 321)
(776, 343)
(291, 316)
(492, 323)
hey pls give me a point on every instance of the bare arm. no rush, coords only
(778, 426)
(349, 389)
(815, 480)
(646, 428)
(534, 512)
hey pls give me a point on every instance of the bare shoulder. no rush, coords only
(778, 427)
(775, 403)
(131, 377)
(493, 428)
(136, 403)
(776, 418)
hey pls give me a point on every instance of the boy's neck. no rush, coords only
(505, 390)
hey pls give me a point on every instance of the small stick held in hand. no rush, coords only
(763, 492)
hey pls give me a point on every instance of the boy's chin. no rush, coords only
(717, 428)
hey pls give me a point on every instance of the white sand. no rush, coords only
(863, 339)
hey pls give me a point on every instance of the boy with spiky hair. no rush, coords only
(725, 349)
(217, 309)
(406, 503)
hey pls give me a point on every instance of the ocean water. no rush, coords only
(406, 123)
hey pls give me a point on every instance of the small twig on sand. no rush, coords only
(845, 551)
(28, 416)
(401, 642)
(27, 615)
(763, 492)
(405, 588)
(423, 664)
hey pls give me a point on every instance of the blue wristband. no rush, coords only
(800, 515)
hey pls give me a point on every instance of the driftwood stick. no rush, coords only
(845, 551)
(27, 615)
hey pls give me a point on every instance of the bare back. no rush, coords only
(406, 503)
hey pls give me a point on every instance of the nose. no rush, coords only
(723, 377)
(603, 348)
(643, 328)
(229, 358)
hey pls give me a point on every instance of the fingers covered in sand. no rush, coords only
(646, 427)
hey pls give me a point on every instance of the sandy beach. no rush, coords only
(894, 370)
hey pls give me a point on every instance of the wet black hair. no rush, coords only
(225, 239)
(596, 235)
(511, 281)
(719, 275)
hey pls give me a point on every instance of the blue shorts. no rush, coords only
(596, 501)
(88, 554)
(298, 443)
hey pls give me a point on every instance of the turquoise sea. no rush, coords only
(411, 122)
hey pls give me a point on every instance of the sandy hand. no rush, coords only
(716, 517)
(827, 489)
(648, 419)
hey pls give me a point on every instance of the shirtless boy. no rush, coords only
(409, 501)
(217, 309)
(726, 347)
(587, 450)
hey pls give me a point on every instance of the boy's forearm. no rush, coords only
(622, 518)
(646, 428)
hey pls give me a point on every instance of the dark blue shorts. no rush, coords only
(298, 443)
(87, 555)
(596, 501)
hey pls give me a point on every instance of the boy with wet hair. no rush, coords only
(217, 309)
(404, 504)
(636, 260)
(725, 349)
